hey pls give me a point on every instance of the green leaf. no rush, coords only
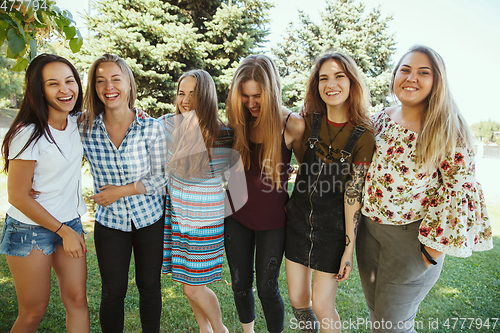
(33, 50)
(3, 31)
(61, 22)
(69, 32)
(16, 42)
(7, 19)
(75, 44)
(19, 16)
(22, 63)
(21, 30)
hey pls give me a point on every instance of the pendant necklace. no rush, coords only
(329, 137)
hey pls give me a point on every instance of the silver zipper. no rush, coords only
(310, 214)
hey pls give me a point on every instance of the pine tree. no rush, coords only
(344, 27)
(162, 39)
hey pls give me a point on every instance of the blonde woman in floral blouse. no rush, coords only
(421, 197)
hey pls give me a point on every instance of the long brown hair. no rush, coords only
(262, 70)
(34, 109)
(358, 101)
(92, 103)
(442, 123)
(204, 104)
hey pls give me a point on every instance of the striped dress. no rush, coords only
(193, 243)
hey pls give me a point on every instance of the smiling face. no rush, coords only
(60, 87)
(185, 93)
(112, 87)
(250, 96)
(413, 80)
(334, 85)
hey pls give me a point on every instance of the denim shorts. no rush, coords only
(18, 239)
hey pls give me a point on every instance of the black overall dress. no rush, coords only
(315, 231)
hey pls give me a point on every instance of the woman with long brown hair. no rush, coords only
(42, 150)
(325, 205)
(198, 151)
(264, 134)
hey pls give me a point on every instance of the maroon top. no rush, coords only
(265, 208)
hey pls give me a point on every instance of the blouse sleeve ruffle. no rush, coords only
(457, 221)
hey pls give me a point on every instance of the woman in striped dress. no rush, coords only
(198, 150)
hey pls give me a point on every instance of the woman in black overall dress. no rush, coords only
(325, 205)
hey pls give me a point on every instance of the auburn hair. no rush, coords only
(358, 101)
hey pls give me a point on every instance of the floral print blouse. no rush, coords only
(449, 201)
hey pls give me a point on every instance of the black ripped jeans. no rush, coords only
(240, 244)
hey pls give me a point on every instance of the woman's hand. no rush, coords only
(73, 243)
(34, 194)
(107, 195)
(426, 262)
(302, 111)
(141, 114)
(345, 266)
(435, 254)
(111, 193)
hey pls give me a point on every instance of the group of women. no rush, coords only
(399, 186)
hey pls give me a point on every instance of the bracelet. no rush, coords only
(59, 228)
(427, 255)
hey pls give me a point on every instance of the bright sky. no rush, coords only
(466, 34)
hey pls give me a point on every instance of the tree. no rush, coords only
(487, 131)
(27, 25)
(11, 83)
(344, 27)
(161, 39)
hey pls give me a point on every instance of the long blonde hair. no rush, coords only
(442, 126)
(91, 102)
(359, 95)
(204, 104)
(262, 70)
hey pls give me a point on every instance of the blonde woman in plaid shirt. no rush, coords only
(126, 156)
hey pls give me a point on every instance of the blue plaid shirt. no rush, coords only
(140, 157)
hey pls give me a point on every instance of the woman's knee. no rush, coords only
(149, 284)
(323, 303)
(34, 315)
(299, 300)
(112, 293)
(192, 292)
(74, 299)
(268, 289)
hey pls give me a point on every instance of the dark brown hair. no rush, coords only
(34, 109)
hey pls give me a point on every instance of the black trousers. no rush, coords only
(242, 245)
(114, 249)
